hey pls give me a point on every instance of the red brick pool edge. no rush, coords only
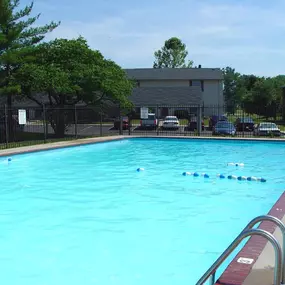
(236, 273)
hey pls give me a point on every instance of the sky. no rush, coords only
(248, 35)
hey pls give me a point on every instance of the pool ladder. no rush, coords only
(279, 270)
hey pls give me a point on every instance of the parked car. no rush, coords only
(244, 124)
(224, 128)
(125, 123)
(216, 118)
(170, 122)
(150, 123)
(192, 125)
(266, 129)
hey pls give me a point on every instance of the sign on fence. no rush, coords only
(22, 117)
(144, 113)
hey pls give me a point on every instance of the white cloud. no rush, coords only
(213, 34)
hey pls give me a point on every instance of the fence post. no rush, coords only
(75, 121)
(199, 120)
(101, 121)
(45, 123)
(158, 120)
(6, 126)
(121, 121)
(243, 122)
(283, 104)
(130, 123)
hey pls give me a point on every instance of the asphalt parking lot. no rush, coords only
(108, 129)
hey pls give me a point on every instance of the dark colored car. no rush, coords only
(192, 125)
(125, 123)
(224, 128)
(245, 124)
(216, 118)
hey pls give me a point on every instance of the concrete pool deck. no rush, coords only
(55, 145)
(260, 271)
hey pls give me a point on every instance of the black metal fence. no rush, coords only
(35, 125)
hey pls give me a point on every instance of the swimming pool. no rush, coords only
(84, 215)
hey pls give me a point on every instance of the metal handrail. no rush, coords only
(210, 273)
(277, 222)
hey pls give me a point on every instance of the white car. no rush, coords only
(266, 129)
(170, 122)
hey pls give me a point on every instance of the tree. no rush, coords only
(172, 55)
(18, 37)
(68, 72)
(231, 94)
(261, 98)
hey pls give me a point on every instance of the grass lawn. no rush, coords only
(27, 139)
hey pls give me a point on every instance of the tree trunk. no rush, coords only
(57, 120)
(60, 124)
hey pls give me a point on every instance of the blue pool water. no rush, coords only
(84, 215)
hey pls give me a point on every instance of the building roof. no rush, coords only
(175, 73)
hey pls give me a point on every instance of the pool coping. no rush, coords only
(78, 142)
(57, 145)
(236, 273)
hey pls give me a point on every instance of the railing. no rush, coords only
(210, 273)
(276, 221)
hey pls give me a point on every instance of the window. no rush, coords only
(199, 83)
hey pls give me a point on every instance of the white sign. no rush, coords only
(245, 260)
(144, 113)
(22, 117)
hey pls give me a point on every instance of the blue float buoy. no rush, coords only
(230, 177)
(222, 176)
(9, 159)
(262, 180)
(206, 176)
(140, 169)
(249, 179)
(186, 173)
(196, 174)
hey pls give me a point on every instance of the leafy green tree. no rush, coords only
(231, 94)
(68, 72)
(249, 81)
(18, 37)
(261, 98)
(172, 55)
